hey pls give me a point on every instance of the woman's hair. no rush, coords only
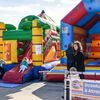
(79, 46)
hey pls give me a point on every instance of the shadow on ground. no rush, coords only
(47, 91)
(50, 91)
(4, 92)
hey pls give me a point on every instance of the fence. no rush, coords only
(80, 89)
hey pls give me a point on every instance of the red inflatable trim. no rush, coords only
(90, 77)
(95, 49)
(55, 77)
(75, 15)
(95, 36)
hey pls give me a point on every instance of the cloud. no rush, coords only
(16, 2)
(10, 14)
(49, 0)
(20, 8)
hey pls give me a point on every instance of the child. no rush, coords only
(73, 73)
(24, 64)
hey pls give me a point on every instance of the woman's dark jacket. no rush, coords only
(79, 62)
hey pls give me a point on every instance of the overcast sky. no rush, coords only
(12, 11)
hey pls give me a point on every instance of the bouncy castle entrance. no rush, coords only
(10, 53)
(7, 51)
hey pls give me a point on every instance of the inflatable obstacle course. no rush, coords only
(36, 38)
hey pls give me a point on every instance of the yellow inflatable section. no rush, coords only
(37, 44)
(94, 55)
(2, 28)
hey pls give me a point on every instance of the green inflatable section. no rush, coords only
(24, 31)
(26, 25)
(10, 27)
(29, 18)
(17, 35)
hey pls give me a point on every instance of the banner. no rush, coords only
(85, 90)
(38, 49)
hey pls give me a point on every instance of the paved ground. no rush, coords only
(33, 91)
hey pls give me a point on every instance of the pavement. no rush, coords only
(33, 91)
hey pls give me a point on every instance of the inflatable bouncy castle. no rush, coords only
(36, 38)
(81, 24)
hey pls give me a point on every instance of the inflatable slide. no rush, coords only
(14, 76)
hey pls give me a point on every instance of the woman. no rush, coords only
(78, 57)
